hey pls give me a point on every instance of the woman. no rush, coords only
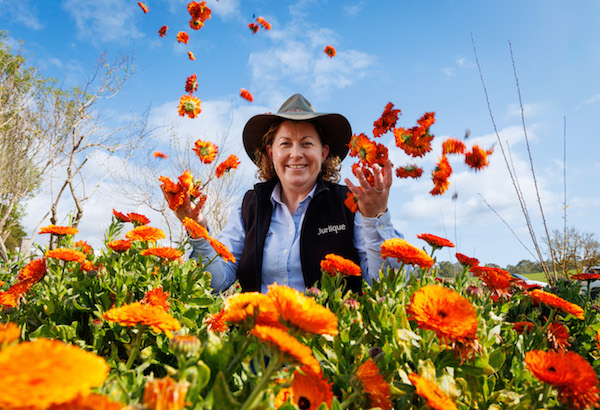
(287, 224)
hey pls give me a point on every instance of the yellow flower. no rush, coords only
(37, 374)
(144, 314)
(9, 333)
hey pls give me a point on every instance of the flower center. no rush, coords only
(189, 106)
(303, 403)
(442, 314)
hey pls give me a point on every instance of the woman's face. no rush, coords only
(297, 155)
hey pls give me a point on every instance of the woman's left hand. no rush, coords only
(372, 200)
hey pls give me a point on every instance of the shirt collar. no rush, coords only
(276, 194)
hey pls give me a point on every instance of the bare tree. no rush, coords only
(573, 250)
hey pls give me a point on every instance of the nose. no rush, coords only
(296, 150)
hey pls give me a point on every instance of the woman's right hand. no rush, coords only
(187, 210)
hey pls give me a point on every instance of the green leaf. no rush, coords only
(497, 358)
(221, 396)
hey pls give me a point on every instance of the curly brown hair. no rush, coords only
(330, 169)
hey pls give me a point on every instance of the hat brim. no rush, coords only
(336, 128)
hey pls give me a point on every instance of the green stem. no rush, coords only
(136, 345)
(550, 319)
(238, 356)
(273, 366)
(350, 400)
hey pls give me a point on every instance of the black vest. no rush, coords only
(328, 227)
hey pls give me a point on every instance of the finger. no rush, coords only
(387, 174)
(353, 188)
(378, 182)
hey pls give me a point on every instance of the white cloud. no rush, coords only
(104, 21)
(354, 9)
(531, 110)
(23, 11)
(296, 60)
(592, 100)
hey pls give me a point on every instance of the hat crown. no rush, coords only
(296, 103)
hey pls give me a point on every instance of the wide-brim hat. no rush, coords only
(336, 127)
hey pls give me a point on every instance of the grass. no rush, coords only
(541, 276)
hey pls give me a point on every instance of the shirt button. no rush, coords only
(285, 251)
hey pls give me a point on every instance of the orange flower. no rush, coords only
(84, 247)
(206, 151)
(190, 106)
(165, 393)
(58, 230)
(435, 241)
(163, 31)
(199, 10)
(145, 233)
(120, 245)
(440, 186)
(158, 154)
(496, 279)
(183, 37)
(65, 254)
(521, 327)
(426, 120)
(11, 297)
(245, 94)
(138, 219)
(144, 314)
(361, 146)
(302, 312)
(586, 276)
(191, 56)
(33, 272)
(143, 6)
(351, 202)
(558, 337)
(556, 302)
(266, 25)
(221, 250)
(88, 402)
(308, 391)
(253, 27)
(9, 333)
(409, 171)
(442, 170)
(416, 141)
(230, 163)
(157, 297)
(44, 372)
(466, 261)
(387, 121)
(216, 322)
(289, 345)
(453, 146)
(334, 264)
(250, 305)
(120, 216)
(477, 158)
(330, 51)
(573, 377)
(451, 316)
(374, 385)
(435, 397)
(196, 230)
(164, 252)
(406, 253)
(196, 24)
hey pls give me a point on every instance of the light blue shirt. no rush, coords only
(281, 257)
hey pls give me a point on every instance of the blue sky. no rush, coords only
(418, 55)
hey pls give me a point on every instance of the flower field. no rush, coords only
(135, 325)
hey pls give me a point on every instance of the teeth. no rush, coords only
(296, 166)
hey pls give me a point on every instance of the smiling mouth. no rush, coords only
(296, 166)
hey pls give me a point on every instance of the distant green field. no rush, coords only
(537, 276)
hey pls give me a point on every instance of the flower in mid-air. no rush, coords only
(199, 10)
(158, 154)
(351, 202)
(143, 7)
(43, 372)
(205, 150)
(163, 31)
(573, 377)
(196, 24)
(264, 23)
(183, 37)
(453, 146)
(387, 121)
(330, 51)
(406, 253)
(191, 84)
(190, 106)
(431, 392)
(409, 171)
(477, 158)
(230, 163)
(362, 147)
(191, 56)
(245, 94)
(253, 27)
(335, 264)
